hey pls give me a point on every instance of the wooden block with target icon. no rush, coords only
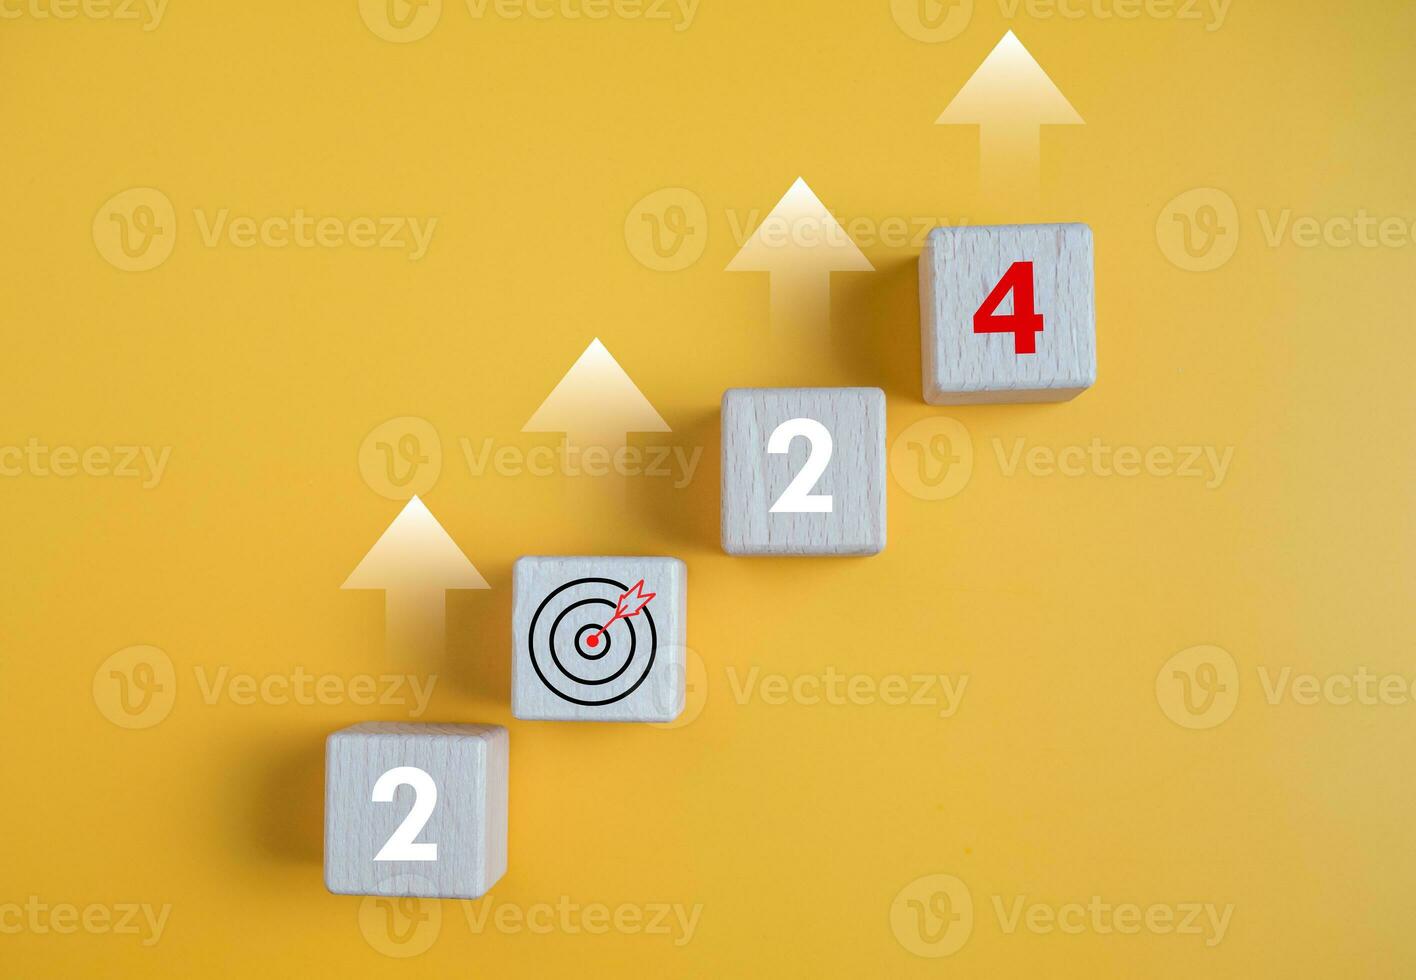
(415, 809)
(803, 471)
(599, 639)
(1008, 314)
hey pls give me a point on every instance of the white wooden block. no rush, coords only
(803, 471)
(417, 810)
(586, 646)
(959, 272)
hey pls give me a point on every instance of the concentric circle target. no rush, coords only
(575, 659)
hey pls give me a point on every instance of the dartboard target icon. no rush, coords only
(593, 641)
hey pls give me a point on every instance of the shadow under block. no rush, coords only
(959, 271)
(439, 826)
(803, 471)
(566, 668)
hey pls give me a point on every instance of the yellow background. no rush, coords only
(794, 826)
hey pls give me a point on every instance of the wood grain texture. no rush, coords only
(959, 268)
(754, 479)
(635, 671)
(468, 764)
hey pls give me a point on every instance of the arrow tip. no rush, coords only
(800, 235)
(596, 396)
(1010, 87)
(415, 552)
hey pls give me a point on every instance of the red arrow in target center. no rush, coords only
(631, 603)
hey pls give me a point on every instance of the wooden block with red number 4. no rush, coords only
(1008, 314)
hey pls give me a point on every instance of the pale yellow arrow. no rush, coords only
(415, 562)
(799, 245)
(596, 404)
(1010, 98)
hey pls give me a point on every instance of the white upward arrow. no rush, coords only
(1010, 98)
(596, 404)
(799, 245)
(415, 562)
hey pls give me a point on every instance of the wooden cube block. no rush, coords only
(598, 639)
(803, 471)
(415, 810)
(1008, 314)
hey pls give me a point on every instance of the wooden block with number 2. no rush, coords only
(414, 809)
(803, 471)
(1008, 314)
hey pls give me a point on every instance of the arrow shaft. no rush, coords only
(1010, 158)
(415, 621)
(577, 442)
(613, 619)
(801, 300)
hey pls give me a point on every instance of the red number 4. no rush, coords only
(1024, 323)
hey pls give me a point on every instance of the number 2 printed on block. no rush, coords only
(403, 845)
(797, 498)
